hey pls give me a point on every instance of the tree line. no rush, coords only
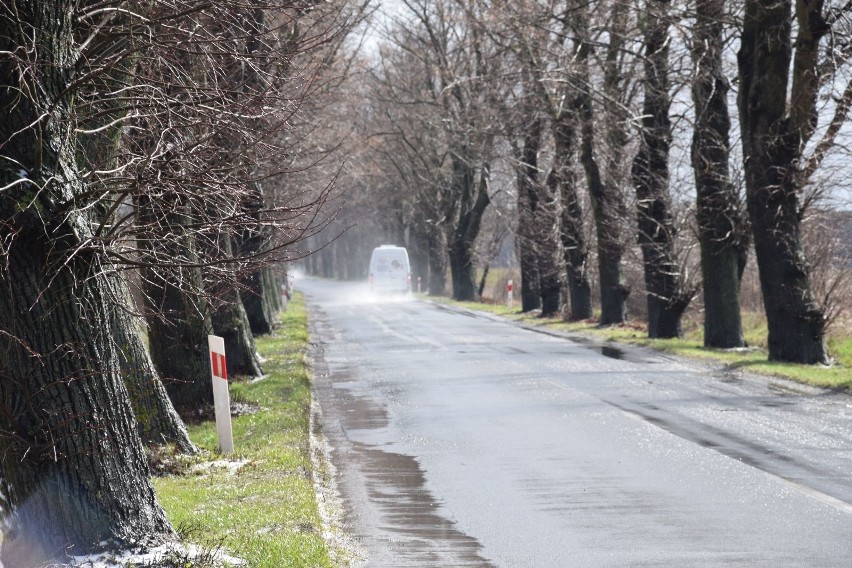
(699, 136)
(152, 159)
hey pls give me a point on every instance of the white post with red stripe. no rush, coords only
(221, 395)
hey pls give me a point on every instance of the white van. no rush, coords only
(390, 270)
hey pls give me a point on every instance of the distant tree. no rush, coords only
(432, 85)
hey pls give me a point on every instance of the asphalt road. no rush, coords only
(462, 440)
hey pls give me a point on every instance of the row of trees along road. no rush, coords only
(604, 132)
(147, 152)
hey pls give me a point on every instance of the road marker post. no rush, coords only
(221, 394)
(510, 301)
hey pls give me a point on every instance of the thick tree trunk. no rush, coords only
(230, 322)
(551, 264)
(155, 414)
(719, 220)
(562, 182)
(462, 270)
(72, 455)
(177, 335)
(254, 290)
(667, 299)
(72, 460)
(255, 296)
(419, 254)
(773, 136)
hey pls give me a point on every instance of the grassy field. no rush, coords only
(838, 375)
(265, 510)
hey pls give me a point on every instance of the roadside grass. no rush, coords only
(754, 359)
(265, 510)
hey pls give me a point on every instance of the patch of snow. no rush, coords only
(231, 465)
(152, 556)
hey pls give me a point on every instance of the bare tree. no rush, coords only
(666, 294)
(775, 131)
(610, 108)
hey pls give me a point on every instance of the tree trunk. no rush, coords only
(178, 313)
(177, 335)
(667, 299)
(773, 136)
(155, 414)
(419, 259)
(72, 459)
(719, 220)
(437, 263)
(527, 179)
(474, 202)
(562, 182)
(606, 199)
(230, 322)
(551, 265)
(253, 285)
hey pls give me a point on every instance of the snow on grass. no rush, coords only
(169, 554)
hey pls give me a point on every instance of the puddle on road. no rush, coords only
(413, 532)
(396, 519)
(611, 351)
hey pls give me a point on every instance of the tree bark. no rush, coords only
(178, 314)
(719, 219)
(72, 461)
(551, 264)
(253, 291)
(230, 322)
(773, 136)
(437, 263)
(527, 174)
(72, 456)
(667, 298)
(473, 203)
(155, 414)
(575, 251)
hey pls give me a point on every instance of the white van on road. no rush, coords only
(390, 270)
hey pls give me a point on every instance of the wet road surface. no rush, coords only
(461, 440)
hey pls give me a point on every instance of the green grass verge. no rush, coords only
(837, 376)
(265, 512)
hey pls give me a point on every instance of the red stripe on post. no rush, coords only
(220, 366)
(214, 361)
